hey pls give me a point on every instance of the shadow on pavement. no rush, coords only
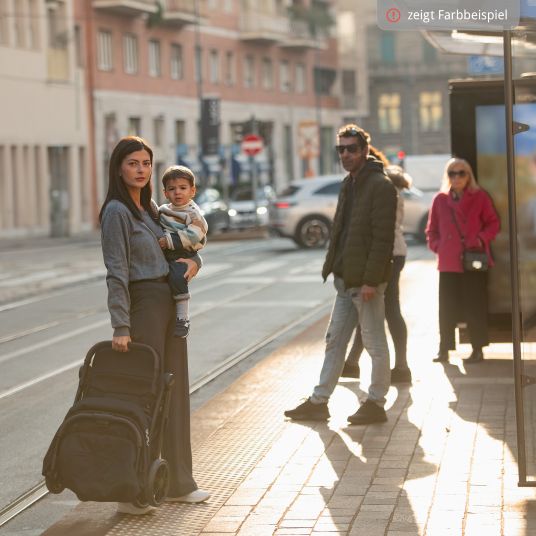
(484, 403)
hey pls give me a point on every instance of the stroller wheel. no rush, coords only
(54, 485)
(157, 482)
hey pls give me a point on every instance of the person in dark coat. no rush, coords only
(360, 257)
(393, 313)
(462, 218)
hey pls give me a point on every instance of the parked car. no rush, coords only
(213, 208)
(304, 211)
(242, 213)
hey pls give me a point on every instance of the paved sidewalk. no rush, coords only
(443, 464)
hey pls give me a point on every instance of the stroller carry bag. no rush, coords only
(108, 447)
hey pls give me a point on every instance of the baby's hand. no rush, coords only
(163, 242)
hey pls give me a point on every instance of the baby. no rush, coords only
(185, 233)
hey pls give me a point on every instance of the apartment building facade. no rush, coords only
(409, 100)
(269, 72)
(44, 173)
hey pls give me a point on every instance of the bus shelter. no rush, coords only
(493, 125)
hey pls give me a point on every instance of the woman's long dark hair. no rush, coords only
(116, 186)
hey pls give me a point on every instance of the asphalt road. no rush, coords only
(246, 292)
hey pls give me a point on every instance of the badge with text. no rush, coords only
(474, 15)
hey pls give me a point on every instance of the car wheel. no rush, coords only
(313, 232)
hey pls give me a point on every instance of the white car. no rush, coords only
(242, 213)
(304, 211)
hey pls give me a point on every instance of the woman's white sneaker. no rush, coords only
(129, 508)
(197, 496)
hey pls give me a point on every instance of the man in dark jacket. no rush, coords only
(360, 257)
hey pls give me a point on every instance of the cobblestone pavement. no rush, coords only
(443, 464)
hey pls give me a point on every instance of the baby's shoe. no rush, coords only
(182, 328)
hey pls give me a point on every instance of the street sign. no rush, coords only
(252, 144)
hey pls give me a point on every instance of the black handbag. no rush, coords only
(473, 260)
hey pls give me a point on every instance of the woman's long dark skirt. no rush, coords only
(463, 297)
(152, 318)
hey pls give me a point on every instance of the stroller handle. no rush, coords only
(108, 344)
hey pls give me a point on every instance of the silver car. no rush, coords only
(304, 211)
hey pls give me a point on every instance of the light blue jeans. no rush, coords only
(347, 309)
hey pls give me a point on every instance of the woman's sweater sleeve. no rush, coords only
(116, 254)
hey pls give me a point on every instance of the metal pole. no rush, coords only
(198, 59)
(514, 256)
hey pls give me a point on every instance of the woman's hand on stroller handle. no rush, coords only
(120, 344)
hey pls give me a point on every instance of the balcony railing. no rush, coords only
(58, 64)
(261, 27)
(301, 36)
(181, 12)
(130, 8)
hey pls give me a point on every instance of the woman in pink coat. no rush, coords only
(461, 208)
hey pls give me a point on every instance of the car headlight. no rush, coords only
(232, 212)
(262, 210)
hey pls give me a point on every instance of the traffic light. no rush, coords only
(401, 155)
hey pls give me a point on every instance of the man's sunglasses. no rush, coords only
(461, 173)
(352, 148)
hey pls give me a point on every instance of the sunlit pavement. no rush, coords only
(444, 463)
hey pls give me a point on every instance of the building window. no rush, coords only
(229, 68)
(349, 89)
(389, 113)
(134, 126)
(104, 50)
(78, 47)
(4, 28)
(324, 79)
(19, 26)
(198, 63)
(159, 131)
(33, 30)
(430, 111)
(387, 47)
(284, 79)
(180, 132)
(177, 67)
(300, 78)
(58, 35)
(249, 71)
(130, 54)
(214, 67)
(267, 74)
(155, 68)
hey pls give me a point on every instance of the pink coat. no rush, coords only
(476, 219)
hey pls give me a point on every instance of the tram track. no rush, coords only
(30, 497)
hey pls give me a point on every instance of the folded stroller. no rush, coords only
(108, 447)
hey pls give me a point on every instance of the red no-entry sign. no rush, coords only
(252, 144)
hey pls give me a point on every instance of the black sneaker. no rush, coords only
(368, 413)
(400, 375)
(477, 356)
(350, 370)
(307, 411)
(182, 328)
